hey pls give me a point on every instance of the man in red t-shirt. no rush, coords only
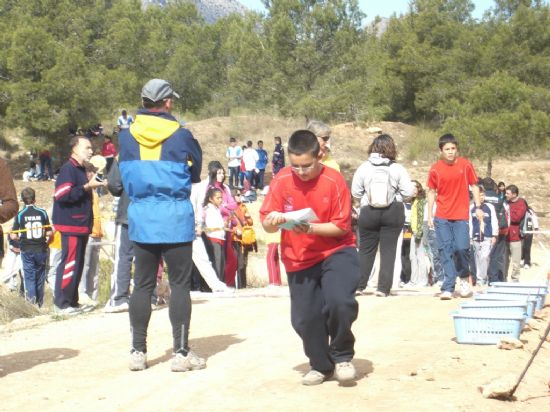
(320, 257)
(448, 183)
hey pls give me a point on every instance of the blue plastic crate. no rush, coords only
(517, 307)
(542, 286)
(486, 327)
(531, 301)
(539, 293)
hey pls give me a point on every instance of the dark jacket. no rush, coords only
(158, 161)
(8, 197)
(114, 184)
(72, 206)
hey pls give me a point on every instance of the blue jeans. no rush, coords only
(34, 274)
(433, 254)
(454, 250)
(234, 176)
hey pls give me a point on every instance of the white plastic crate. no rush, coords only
(486, 327)
(517, 307)
(539, 293)
(531, 301)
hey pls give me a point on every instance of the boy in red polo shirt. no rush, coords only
(448, 183)
(320, 258)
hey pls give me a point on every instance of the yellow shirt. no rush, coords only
(330, 162)
(56, 240)
(97, 230)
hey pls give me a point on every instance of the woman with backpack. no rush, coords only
(380, 184)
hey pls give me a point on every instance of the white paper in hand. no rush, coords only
(298, 217)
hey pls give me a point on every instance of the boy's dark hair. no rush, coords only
(249, 143)
(384, 146)
(232, 140)
(501, 184)
(513, 188)
(421, 193)
(447, 138)
(278, 139)
(488, 184)
(260, 141)
(124, 113)
(209, 194)
(28, 196)
(303, 142)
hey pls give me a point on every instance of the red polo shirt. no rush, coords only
(329, 196)
(452, 181)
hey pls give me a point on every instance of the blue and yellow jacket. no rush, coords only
(158, 161)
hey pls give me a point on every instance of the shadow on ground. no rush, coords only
(204, 347)
(20, 361)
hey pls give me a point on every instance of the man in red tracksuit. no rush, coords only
(518, 208)
(73, 217)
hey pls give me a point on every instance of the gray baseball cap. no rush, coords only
(157, 90)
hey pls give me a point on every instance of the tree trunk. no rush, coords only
(490, 166)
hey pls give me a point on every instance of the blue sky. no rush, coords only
(383, 8)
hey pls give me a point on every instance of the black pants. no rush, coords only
(69, 271)
(498, 261)
(526, 244)
(180, 265)
(379, 226)
(323, 307)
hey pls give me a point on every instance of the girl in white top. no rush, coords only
(215, 227)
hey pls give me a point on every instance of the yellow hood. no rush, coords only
(150, 132)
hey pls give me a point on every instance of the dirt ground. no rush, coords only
(406, 359)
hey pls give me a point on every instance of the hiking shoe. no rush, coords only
(191, 362)
(345, 371)
(138, 361)
(314, 377)
(446, 295)
(465, 289)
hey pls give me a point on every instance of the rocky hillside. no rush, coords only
(211, 10)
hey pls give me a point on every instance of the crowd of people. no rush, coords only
(459, 226)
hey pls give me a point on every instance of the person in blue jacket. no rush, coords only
(261, 164)
(158, 160)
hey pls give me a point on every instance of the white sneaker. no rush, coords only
(138, 361)
(526, 266)
(67, 311)
(123, 307)
(344, 371)
(465, 289)
(86, 300)
(446, 295)
(191, 362)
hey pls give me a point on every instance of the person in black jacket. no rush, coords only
(124, 255)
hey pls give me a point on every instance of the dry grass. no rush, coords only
(13, 306)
